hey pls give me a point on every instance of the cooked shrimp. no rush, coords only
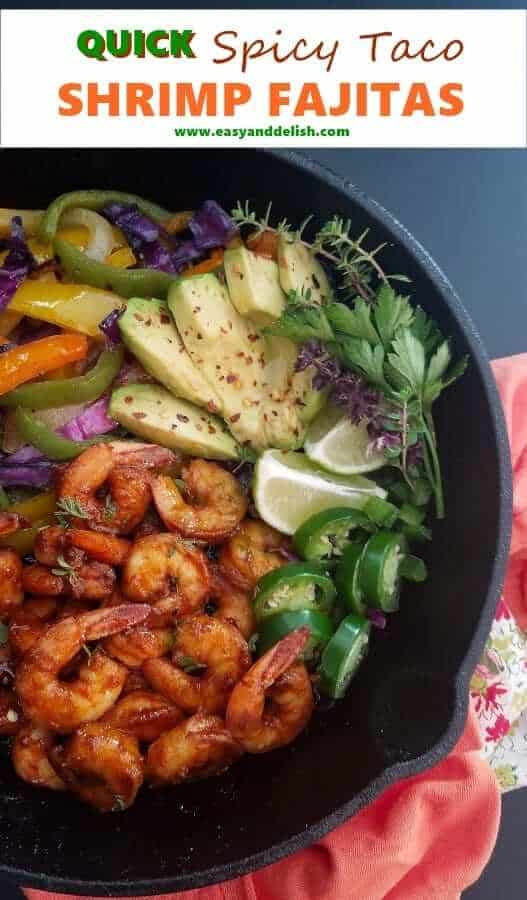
(134, 646)
(64, 705)
(273, 702)
(135, 681)
(10, 521)
(30, 755)
(161, 566)
(144, 456)
(29, 622)
(199, 747)
(90, 580)
(215, 651)
(231, 604)
(9, 712)
(144, 714)
(49, 545)
(251, 552)
(11, 588)
(105, 548)
(216, 504)
(128, 494)
(103, 766)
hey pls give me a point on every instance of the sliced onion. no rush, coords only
(101, 239)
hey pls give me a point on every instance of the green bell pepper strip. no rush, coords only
(4, 500)
(417, 533)
(4, 634)
(81, 389)
(411, 515)
(125, 282)
(327, 533)
(379, 570)
(292, 587)
(413, 568)
(343, 655)
(52, 445)
(94, 199)
(274, 628)
(347, 580)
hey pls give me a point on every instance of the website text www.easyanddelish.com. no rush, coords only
(269, 131)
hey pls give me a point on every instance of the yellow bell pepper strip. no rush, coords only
(39, 511)
(51, 444)
(122, 258)
(31, 219)
(125, 282)
(9, 319)
(95, 199)
(77, 234)
(76, 306)
(82, 389)
(28, 361)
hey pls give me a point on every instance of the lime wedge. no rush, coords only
(288, 488)
(337, 445)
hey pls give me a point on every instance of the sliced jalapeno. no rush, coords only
(274, 628)
(347, 580)
(343, 655)
(327, 532)
(379, 570)
(292, 587)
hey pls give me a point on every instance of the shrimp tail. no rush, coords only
(278, 659)
(136, 453)
(105, 622)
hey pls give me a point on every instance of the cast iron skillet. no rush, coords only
(408, 704)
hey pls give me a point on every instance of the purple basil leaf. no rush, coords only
(377, 618)
(110, 328)
(211, 226)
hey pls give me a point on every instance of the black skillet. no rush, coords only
(408, 704)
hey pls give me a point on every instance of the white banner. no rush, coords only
(318, 78)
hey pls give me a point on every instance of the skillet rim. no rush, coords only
(399, 770)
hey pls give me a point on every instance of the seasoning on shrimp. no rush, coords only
(198, 748)
(161, 566)
(253, 550)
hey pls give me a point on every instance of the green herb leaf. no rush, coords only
(4, 634)
(359, 355)
(438, 363)
(189, 665)
(392, 311)
(247, 454)
(354, 322)
(64, 569)
(70, 506)
(302, 324)
(425, 330)
(408, 359)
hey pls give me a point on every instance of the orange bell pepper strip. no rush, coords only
(213, 262)
(38, 357)
(265, 243)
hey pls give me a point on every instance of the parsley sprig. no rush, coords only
(397, 349)
(70, 506)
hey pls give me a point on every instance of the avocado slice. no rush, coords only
(254, 285)
(227, 350)
(300, 270)
(148, 330)
(152, 412)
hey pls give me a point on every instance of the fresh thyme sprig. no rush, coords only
(65, 570)
(69, 506)
(354, 262)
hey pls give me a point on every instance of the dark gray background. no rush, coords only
(469, 209)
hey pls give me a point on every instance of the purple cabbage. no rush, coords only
(211, 226)
(155, 249)
(17, 264)
(137, 227)
(37, 475)
(110, 328)
(26, 455)
(377, 618)
(94, 420)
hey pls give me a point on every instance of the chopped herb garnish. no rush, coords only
(189, 665)
(64, 569)
(69, 506)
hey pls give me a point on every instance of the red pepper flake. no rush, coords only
(231, 378)
(248, 360)
(235, 417)
(211, 429)
(240, 354)
(138, 317)
(148, 322)
(253, 337)
(181, 418)
(196, 309)
(139, 415)
(211, 406)
(229, 323)
(199, 336)
(223, 330)
(164, 319)
(128, 399)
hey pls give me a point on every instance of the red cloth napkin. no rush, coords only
(429, 836)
